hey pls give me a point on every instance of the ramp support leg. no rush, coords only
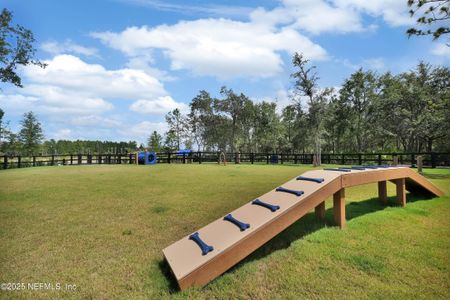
(382, 191)
(339, 208)
(401, 192)
(320, 211)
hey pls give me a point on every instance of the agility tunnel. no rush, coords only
(202, 256)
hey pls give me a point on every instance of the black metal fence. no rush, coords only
(430, 159)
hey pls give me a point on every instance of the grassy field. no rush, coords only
(102, 228)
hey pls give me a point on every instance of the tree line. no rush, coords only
(29, 140)
(370, 112)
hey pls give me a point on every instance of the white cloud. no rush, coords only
(375, 63)
(393, 12)
(312, 16)
(442, 50)
(216, 47)
(72, 74)
(208, 9)
(67, 47)
(158, 106)
(63, 134)
(95, 121)
(141, 131)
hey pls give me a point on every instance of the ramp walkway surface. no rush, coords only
(202, 256)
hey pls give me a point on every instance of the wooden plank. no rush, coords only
(401, 191)
(382, 191)
(232, 245)
(339, 208)
(190, 267)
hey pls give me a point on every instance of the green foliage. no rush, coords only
(30, 134)
(16, 48)
(433, 12)
(155, 142)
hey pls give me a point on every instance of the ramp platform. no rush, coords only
(202, 256)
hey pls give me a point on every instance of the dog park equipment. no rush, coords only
(146, 158)
(213, 249)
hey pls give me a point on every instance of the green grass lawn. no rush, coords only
(102, 228)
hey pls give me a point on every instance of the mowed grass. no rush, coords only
(102, 228)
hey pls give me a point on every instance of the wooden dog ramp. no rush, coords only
(202, 256)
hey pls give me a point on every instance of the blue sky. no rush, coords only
(115, 67)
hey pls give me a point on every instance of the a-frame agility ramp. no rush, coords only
(202, 256)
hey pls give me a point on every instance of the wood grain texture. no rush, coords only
(382, 191)
(339, 208)
(231, 245)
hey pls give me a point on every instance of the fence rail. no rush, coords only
(430, 159)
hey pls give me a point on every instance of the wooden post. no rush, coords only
(267, 157)
(5, 162)
(252, 158)
(71, 159)
(168, 157)
(419, 163)
(343, 159)
(18, 161)
(359, 159)
(130, 159)
(53, 160)
(34, 161)
(401, 192)
(382, 191)
(379, 159)
(339, 208)
(320, 211)
(395, 160)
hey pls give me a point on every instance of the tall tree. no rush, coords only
(358, 92)
(306, 85)
(155, 141)
(177, 126)
(16, 48)
(233, 105)
(30, 134)
(432, 12)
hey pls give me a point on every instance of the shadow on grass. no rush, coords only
(172, 284)
(304, 226)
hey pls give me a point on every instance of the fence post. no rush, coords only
(252, 158)
(18, 161)
(379, 159)
(34, 161)
(359, 159)
(71, 159)
(131, 158)
(199, 154)
(267, 158)
(295, 158)
(99, 159)
(433, 160)
(412, 160)
(168, 157)
(53, 160)
(119, 158)
(5, 162)
(79, 159)
(343, 159)
(184, 158)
